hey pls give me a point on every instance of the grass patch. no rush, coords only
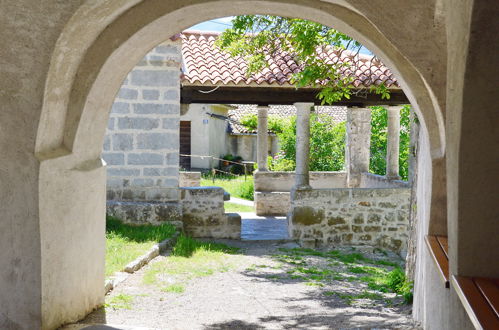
(174, 288)
(125, 243)
(235, 186)
(121, 301)
(233, 207)
(190, 259)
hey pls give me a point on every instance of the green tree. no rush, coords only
(327, 145)
(254, 37)
(379, 121)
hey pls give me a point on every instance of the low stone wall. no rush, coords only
(146, 212)
(284, 181)
(370, 180)
(189, 179)
(272, 189)
(351, 216)
(271, 203)
(203, 214)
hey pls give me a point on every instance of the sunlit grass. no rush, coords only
(233, 207)
(125, 243)
(190, 259)
(121, 301)
(235, 186)
(174, 288)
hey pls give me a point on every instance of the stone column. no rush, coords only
(302, 145)
(358, 143)
(392, 143)
(262, 139)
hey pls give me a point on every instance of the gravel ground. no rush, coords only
(255, 291)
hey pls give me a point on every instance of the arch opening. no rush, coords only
(82, 84)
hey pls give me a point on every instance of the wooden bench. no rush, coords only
(439, 250)
(480, 298)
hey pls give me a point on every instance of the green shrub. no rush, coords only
(398, 283)
(379, 121)
(250, 121)
(327, 145)
(275, 124)
(245, 190)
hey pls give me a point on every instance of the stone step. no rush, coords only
(102, 327)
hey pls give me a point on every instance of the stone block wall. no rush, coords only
(142, 138)
(284, 181)
(370, 180)
(139, 213)
(272, 203)
(346, 216)
(272, 189)
(204, 215)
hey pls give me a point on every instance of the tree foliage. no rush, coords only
(250, 121)
(327, 145)
(257, 37)
(379, 122)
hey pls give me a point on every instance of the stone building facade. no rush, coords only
(141, 142)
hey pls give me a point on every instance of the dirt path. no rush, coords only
(263, 286)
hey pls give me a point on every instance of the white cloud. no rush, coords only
(224, 19)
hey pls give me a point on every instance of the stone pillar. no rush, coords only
(302, 145)
(358, 143)
(392, 143)
(262, 139)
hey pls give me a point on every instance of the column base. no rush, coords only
(302, 187)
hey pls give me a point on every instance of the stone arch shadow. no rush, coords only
(101, 43)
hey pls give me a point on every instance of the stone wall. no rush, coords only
(189, 179)
(346, 216)
(140, 213)
(284, 181)
(272, 189)
(141, 142)
(268, 203)
(370, 180)
(203, 214)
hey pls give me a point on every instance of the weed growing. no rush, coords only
(174, 288)
(121, 301)
(380, 276)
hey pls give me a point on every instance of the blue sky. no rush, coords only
(218, 25)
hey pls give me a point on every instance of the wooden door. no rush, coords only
(185, 145)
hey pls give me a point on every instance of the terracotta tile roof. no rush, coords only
(339, 114)
(205, 64)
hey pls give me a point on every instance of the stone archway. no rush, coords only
(98, 46)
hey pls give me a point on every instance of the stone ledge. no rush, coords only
(140, 262)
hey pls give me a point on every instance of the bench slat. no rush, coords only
(490, 291)
(442, 240)
(480, 312)
(440, 257)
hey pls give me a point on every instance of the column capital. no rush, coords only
(304, 105)
(394, 108)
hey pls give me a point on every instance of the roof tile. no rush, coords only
(204, 63)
